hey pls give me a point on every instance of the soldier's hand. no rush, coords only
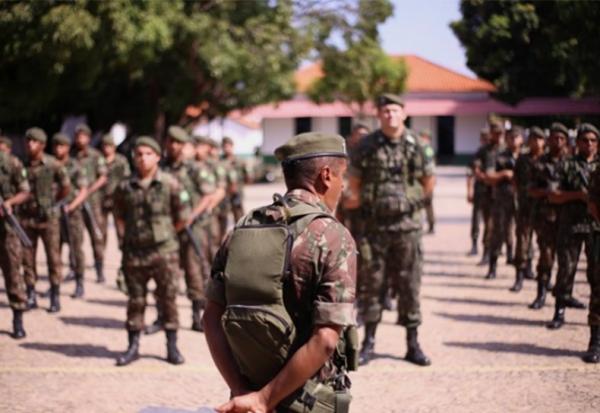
(470, 198)
(5, 207)
(248, 403)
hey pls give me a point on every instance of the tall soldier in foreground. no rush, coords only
(592, 354)
(391, 179)
(150, 208)
(14, 190)
(281, 295)
(40, 215)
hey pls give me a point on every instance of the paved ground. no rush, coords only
(490, 352)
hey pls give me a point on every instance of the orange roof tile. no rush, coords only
(423, 76)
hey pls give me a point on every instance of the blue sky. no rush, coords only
(421, 28)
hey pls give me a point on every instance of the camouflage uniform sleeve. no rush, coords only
(180, 201)
(205, 181)
(19, 177)
(101, 166)
(118, 198)
(215, 290)
(126, 168)
(427, 160)
(61, 176)
(356, 162)
(336, 289)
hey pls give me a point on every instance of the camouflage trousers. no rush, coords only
(104, 226)
(10, 263)
(76, 234)
(394, 258)
(220, 225)
(568, 249)
(546, 232)
(485, 205)
(237, 209)
(524, 232)
(196, 269)
(594, 312)
(503, 225)
(49, 232)
(163, 268)
(429, 213)
(97, 239)
(476, 217)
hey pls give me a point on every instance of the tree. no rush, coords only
(532, 48)
(360, 70)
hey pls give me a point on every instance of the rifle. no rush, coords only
(66, 232)
(12, 221)
(89, 214)
(190, 233)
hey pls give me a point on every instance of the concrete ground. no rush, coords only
(490, 352)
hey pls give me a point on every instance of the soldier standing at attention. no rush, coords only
(228, 174)
(503, 196)
(151, 207)
(390, 178)
(475, 192)
(95, 167)
(545, 179)
(291, 352)
(117, 169)
(40, 217)
(576, 225)
(425, 136)
(241, 176)
(14, 189)
(5, 144)
(78, 193)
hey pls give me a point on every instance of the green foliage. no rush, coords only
(532, 48)
(360, 70)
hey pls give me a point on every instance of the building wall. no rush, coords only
(326, 125)
(418, 123)
(466, 133)
(275, 133)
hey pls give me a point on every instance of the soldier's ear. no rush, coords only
(325, 175)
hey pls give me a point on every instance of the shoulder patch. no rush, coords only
(429, 152)
(184, 196)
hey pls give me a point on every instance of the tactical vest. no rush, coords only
(148, 218)
(259, 329)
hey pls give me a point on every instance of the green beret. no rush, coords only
(82, 127)
(515, 130)
(587, 127)
(558, 127)
(108, 140)
(6, 140)
(61, 139)
(537, 132)
(149, 142)
(226, 141)
(311, 145)
(389, 99)
(212, 142)
(201, 140)
(178, 134)
(36, 134)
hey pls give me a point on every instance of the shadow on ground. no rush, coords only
(73, 350)
(519, 348)
(488, 286)
(111, 302)
(492, 319)
(94, 322)
(474, 301)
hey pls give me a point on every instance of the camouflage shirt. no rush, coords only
(323, 264)
(523, 178)
(504, 190)
(594, 190)
(93, 162)
(13, 178)
(545, 175)
(485, 160)
(77, 178)
(47, 177)
(116, 171)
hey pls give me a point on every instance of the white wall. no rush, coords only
(326, 125)
(466, 133)
(276, 132)
(418, 123)
(245, 139)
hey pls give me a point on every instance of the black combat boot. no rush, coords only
(173, 354)
(414, 354)
(54, 299)
(31, 297)
(133, 351)
(197, 307)
(70, 276)
(559, 316)
(368, 345)
(99, 272)
(79, 291)
(157, 325)
(485, 258)
(540, 299)
(592, 355)
(518, 285)
(529, 270)
(493, 261)
(510, 260)
(474, 250)
(573, 302)
(18, 330)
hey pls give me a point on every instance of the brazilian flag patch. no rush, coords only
(184, 196)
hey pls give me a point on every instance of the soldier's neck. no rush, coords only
(146, 175)
(109, 158)
(393, 134)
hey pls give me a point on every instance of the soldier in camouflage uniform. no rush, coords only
(241, 175)
(544, 180)
(503, 200)
(5, 144)
(14, 190)
(199, 183)
(319, 293)
(390, 178)
(150, 208)
(118, 169)
(78, 193)
(425, 136)
(93, 162)
(226, 173)
(475, 191)
(575, 224)
(40, 216)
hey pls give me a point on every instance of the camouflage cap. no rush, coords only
(108, 139)
(558, 127)
(83, 128)
(61, 139)
(212, 142)
(587, 127)
(496, 126)
(311, 145)
(425, 132)
(178, 134)
(536, 131)
(201, 140)
(389, 99)
(149, 142)
(6, 140)
(36, 134)
(515, 130)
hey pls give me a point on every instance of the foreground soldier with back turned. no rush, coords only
(282, 291)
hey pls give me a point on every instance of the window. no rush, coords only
(345, 126)
(303, 125)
